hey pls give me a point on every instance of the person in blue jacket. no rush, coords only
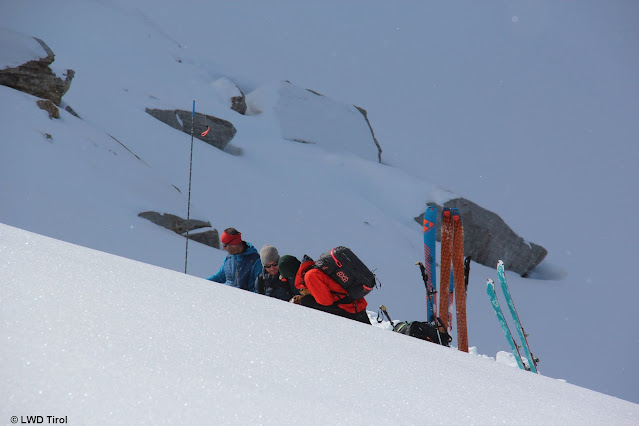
(242, 264)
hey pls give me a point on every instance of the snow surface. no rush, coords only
(528, 109)
(102, 339)
(18, 49)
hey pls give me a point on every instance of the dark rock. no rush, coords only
(209, 238)
(179, 226)
(173, 222)
(238, 103)
(487, 239)
(229, 91)
(220, 134)
(71, 111)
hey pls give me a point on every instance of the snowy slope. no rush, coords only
(98, 339)
(537, 103)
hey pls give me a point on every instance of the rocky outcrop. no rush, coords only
(209, 238)
(180, 226)
(220, 134)
(48, 106)
(487, 239)
(36, 78)
(228, 91)
(238, 103)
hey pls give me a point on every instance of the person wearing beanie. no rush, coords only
(270, 282)
(321, 292)
(288, 266)
(241, 266)
(269, 254)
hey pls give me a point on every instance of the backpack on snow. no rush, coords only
(435, 333)
(424, 331)
(345, 268)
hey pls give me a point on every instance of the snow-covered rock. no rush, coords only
(24, 66)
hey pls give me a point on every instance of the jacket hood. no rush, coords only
(249, 250)
(299, 278)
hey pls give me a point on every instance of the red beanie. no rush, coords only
(231, 239)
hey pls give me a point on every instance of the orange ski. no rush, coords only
(445, 264)
(460, 285)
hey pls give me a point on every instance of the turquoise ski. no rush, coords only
(490, 289)
(430, 231)
(511, 305)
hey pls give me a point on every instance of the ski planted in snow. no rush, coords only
(459, 281)
(490, 289)
(452, 275)
(429, 272)
(445, 262)
(532, 361)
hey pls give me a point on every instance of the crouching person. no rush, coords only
(241, 266)
(321, 292)
(271, 282)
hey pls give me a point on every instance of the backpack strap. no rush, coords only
(439, 325)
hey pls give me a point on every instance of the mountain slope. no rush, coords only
(100, 338)
(535, 104)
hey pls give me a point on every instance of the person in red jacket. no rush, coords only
(321, 292)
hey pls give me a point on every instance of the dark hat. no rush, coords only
(288, 266)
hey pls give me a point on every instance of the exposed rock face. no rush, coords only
(179, 226)
(49, 107)
(229, 91)
(238, 103)
(37, 79)
(487, 239)
(220, 134)
(209, 238)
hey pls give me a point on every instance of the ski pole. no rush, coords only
(422, 269)
(382, 309)
(430, 293)
(188, 208)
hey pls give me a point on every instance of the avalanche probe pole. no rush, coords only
(188, 208)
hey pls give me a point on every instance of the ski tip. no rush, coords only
(500, 263)
(490, 282)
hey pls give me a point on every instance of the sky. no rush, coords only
(88, 338)
(529, 110)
